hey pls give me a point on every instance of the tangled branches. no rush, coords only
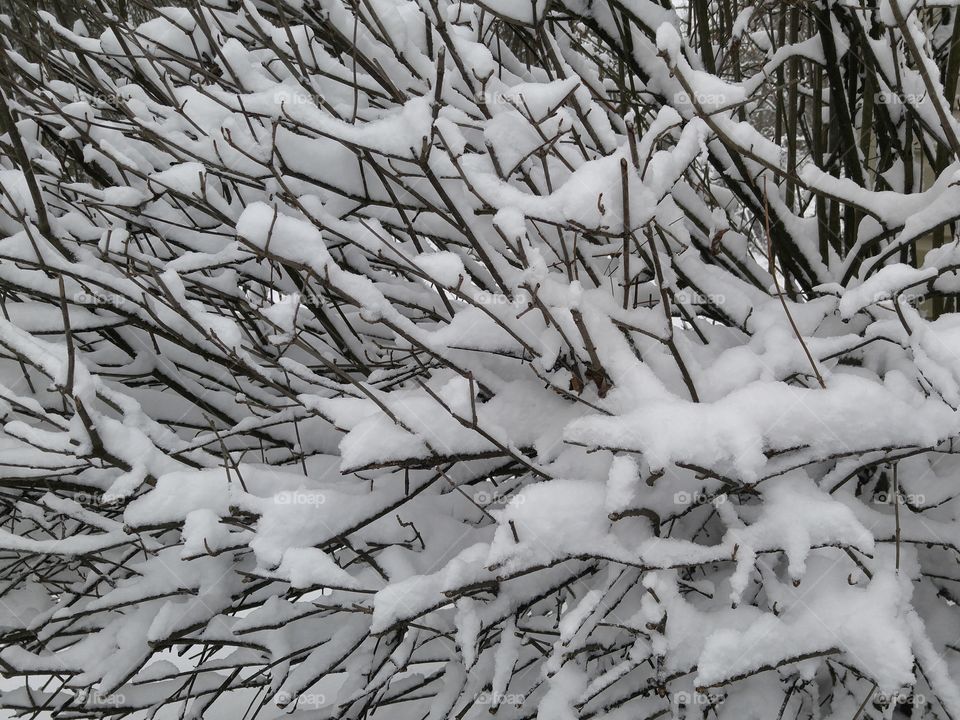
(434, 359)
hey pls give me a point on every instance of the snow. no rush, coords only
(844, 620)
(797, 516)
(668, 41)
(444, 267)
(178, 494)
(306, 567)
(886, 283)
(621, 483)
(261, 225)
(552, 520)
(378, 363)
(736, 431)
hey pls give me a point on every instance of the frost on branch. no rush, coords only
(436, 360)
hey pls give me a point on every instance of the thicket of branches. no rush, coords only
(422, 359)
